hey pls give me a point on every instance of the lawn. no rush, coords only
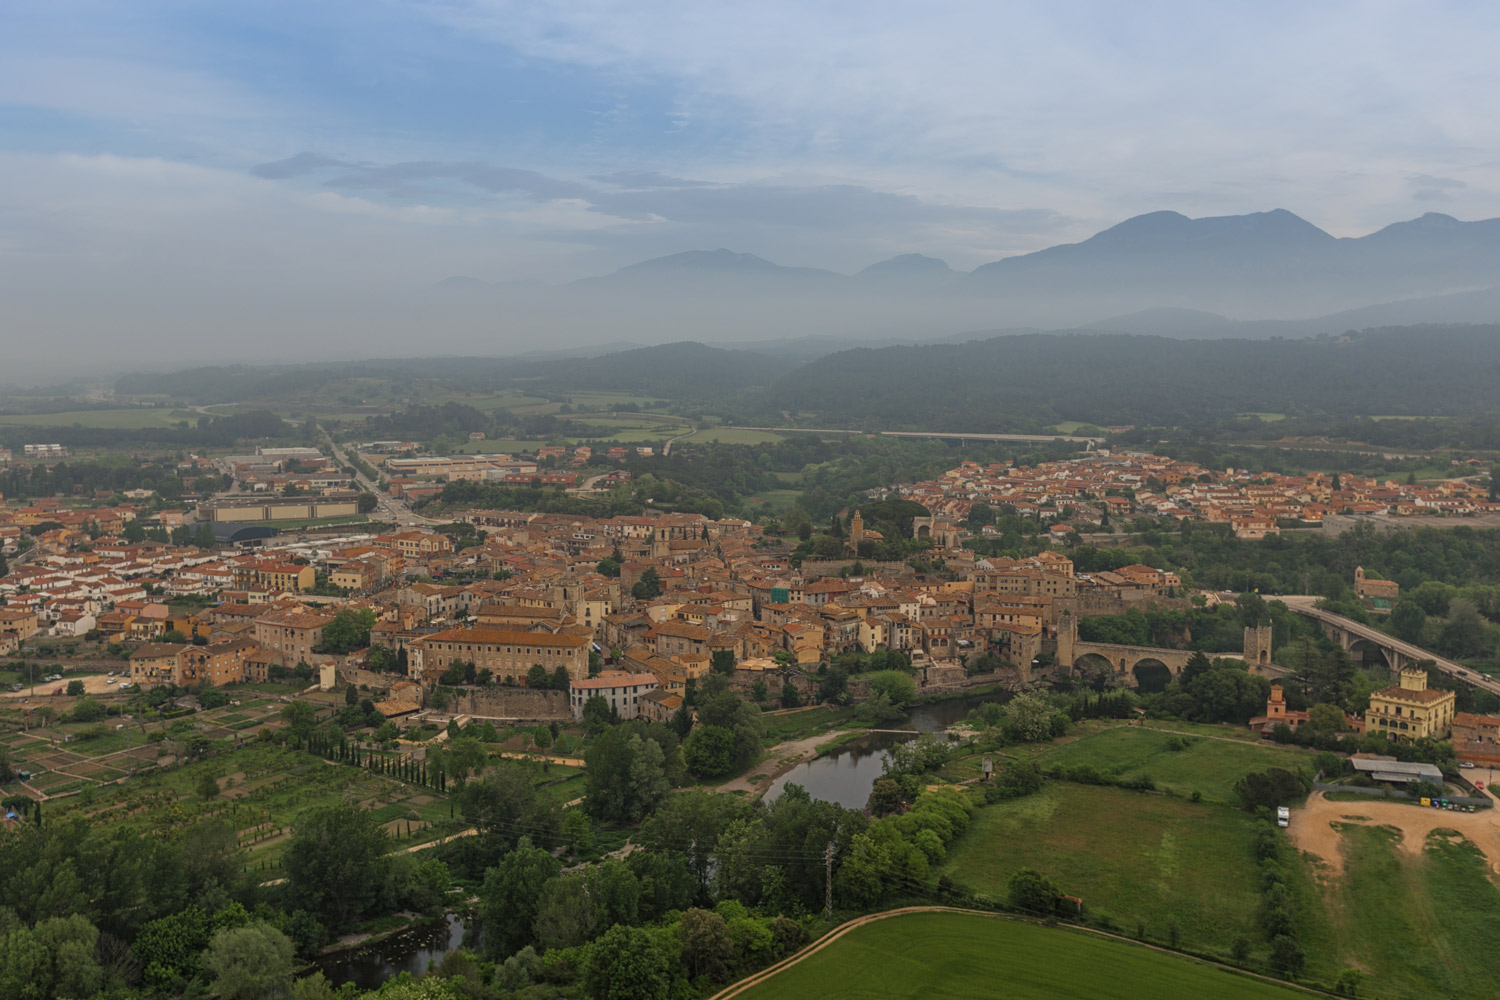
(1208, 765)
(777, 500)
(805, 722)
(1423, 926)
(936, 956)
(1130, 856)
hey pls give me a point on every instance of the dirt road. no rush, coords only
(1312, 828)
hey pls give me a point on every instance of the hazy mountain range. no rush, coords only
(1264, 274)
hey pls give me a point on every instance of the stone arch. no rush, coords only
(1096, 670)
(1151, 675)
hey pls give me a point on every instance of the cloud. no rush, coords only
(695, 212)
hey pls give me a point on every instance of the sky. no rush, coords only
(171, 167)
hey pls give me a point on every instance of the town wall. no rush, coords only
(813, 568)
(511, 703)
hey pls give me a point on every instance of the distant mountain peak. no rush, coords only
(909, 265)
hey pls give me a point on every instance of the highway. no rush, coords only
(950, 435)
(1306, 605)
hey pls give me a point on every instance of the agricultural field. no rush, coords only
(731, 435)
(936, 956)
(1208, 763)
(264, 788)
(124, 418)
(1129, 856)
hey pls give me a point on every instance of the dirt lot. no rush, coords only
(1312, 828)
(92, 684)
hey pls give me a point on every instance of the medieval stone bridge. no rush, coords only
(1355, 638)
(1123, 660)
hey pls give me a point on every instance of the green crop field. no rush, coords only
(1208, 765)
(128, 418)
(936, 956)
(1128, 855)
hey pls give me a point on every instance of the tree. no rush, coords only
(510, 896)
(597, 714)
(335, 864)
(566, 917)
(536, 677)
(894, 685)
(300, 718)
(790, 698)
(75, 689)
(463, 757)
(504, 803)
(89, 710)
(250, 963)
(176, 637)
(1407, 621)
(1327, 718)
(367, 502)
(626, 775)
(561, 681)
(648, 587)
(709, 751)
(626, 963)
(1271, 788)
(608, 566)
(541, 736)
(1029, 890)
(351, 695)
(721, 661)
(208, 786)
(348, 630)
(707, 949)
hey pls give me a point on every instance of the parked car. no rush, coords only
(1466, 764)
(110, 681)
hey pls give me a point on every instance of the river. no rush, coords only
(367, 966)
(846, 777)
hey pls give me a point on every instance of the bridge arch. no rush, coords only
(1151, 675)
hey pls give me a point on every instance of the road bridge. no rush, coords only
(1354, 636)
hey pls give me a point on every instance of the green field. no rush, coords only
(128, 418)
(1422, 926)
(936, 956)
(1128, 855)
(1209, 765)
(731, 435)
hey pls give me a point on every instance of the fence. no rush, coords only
(1484, 802)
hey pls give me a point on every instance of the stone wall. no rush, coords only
(511, 703)
(813, 568)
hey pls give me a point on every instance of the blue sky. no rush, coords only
(258, 148)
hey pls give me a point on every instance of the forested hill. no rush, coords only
(671, 371)
(1014, 382)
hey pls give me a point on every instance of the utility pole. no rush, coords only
(828, 883)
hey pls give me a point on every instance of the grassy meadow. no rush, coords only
(959, 956)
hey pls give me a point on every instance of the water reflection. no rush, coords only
(370, 965)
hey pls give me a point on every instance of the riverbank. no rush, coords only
(783, 758)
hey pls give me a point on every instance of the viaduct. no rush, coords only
(1355, 638)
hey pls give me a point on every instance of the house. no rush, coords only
(1411, 710)
(624, 692)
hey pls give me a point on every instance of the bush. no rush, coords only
(1030, 891)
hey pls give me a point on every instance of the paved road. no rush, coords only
(386, 505)
(931, 434)
(1304, 604)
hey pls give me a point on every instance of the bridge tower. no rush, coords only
(1067, 637)
(1257, 646)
